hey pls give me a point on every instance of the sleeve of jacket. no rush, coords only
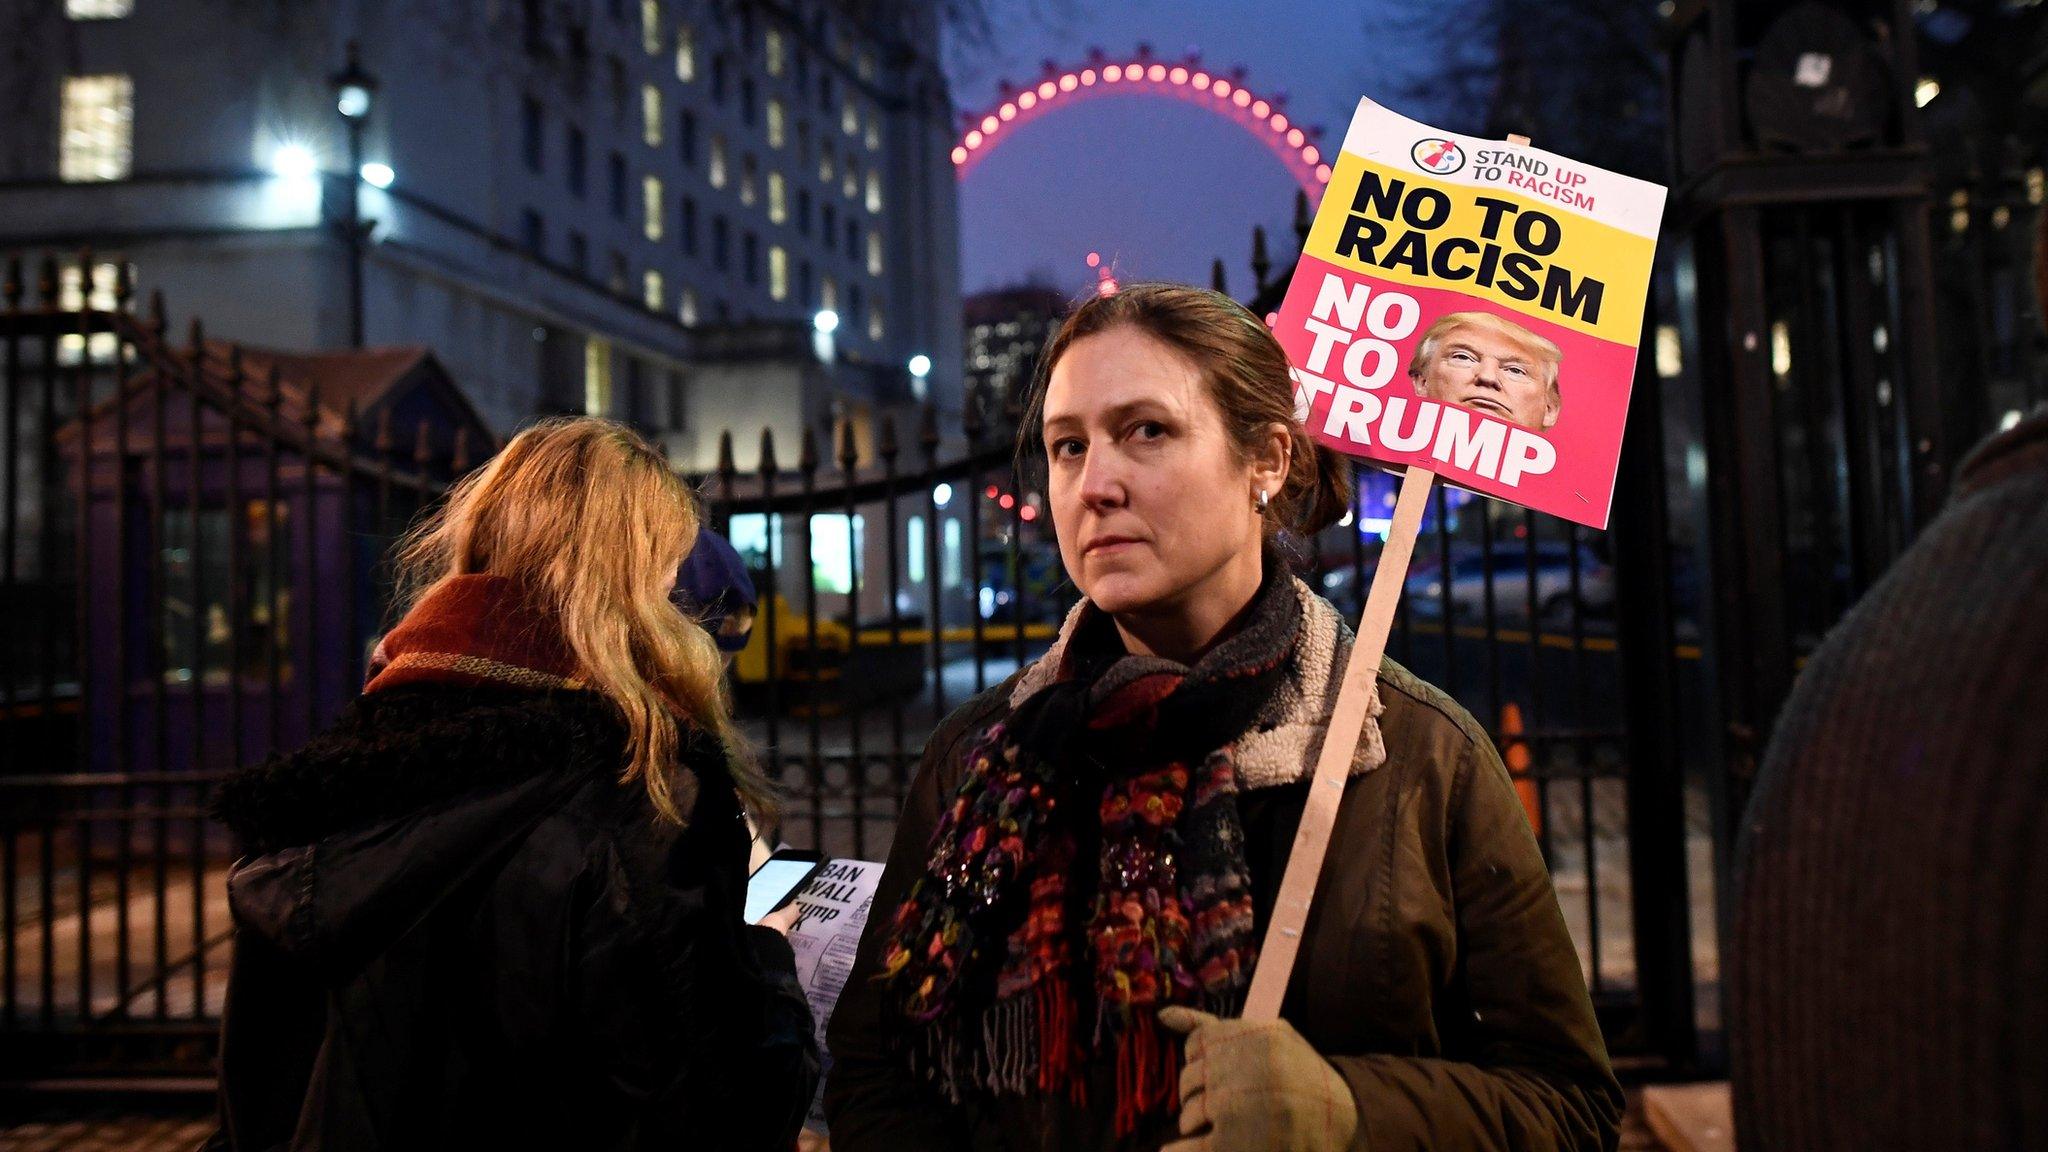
(691, 1012)
(1524, 1065)
(872, 1101)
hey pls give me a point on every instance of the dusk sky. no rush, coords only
(1158, 187)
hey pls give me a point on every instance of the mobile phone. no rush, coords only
(777, 881)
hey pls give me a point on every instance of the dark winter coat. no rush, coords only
(1889, 940)
(456, 928)
(1435, 974)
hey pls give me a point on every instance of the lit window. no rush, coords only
(874, 190)
(771, 47)
(98, 128)
(650, 115)
(849, 119)
(828, 294)
(717, 160)
(597, 377)
(98, 9)
(778, 272)
(750, 175)
(687, 311)
(867, 65)
(874, 253)
(777, 117)
(849, 181)
(101, 347)
(949, 557)
(778, 199)
(835, 541)
(913, 548)
(874, 322)
(826, 169)
(1670, 353)
(653, 290)
(71, 287)
(650, 26)
(874, 140)
(651, 189)
(686, 54)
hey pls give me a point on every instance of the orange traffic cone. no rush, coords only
(1515, 753)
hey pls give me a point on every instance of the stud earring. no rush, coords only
(1264, 500)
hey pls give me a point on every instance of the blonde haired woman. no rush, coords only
(498, 904)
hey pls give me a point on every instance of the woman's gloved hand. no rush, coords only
(1255, 1085)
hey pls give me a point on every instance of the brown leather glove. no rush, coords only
(1254, 1086)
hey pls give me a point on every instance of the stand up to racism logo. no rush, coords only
(1437, 156)
(1472, 308)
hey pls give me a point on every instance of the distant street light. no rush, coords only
(920, 368)
(355, 92)
(823, 325)
(294, 162)
(378, 175)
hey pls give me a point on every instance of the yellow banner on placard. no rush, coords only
(1526, 254)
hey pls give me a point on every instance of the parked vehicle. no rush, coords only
(1426, 599)
(1040, 585)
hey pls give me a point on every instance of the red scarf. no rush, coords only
(475, 629)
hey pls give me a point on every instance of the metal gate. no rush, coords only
(194, 567)
(190, 569)
(1517, 615)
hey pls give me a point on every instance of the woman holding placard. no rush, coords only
(1088, 860)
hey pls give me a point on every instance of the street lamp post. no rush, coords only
(354, 92)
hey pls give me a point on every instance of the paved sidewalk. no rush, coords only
(181, 1131)
(68, 1129)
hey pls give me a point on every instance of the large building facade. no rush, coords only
(643, 208)
(1004, 330)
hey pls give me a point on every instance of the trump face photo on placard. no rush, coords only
(1491, 364)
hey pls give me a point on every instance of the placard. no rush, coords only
(1473, 307)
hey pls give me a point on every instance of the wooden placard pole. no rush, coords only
(1282, 944)
(1340, 744)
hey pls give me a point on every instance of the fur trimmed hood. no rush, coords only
(1283, 744)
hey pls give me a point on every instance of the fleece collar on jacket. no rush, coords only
(1282, 745)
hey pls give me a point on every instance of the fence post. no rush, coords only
(928, 440)
(973, 426)
(807, 473)
(1660, 897)
(722, 511)
(768, 600)
(856, 765)
(885, 448)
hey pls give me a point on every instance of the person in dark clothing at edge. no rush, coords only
(1888, 952)
(1090, 851)
(497, 904)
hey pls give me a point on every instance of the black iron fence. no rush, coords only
(190, 572)
(194, 569)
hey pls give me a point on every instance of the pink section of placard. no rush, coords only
(1593, 380)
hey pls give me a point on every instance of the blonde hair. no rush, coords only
(588, 519)
(1546, 353)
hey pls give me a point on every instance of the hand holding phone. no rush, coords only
(775, 883)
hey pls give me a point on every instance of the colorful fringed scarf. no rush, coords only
(1090, 870)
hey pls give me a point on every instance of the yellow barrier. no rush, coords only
(793, 633)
